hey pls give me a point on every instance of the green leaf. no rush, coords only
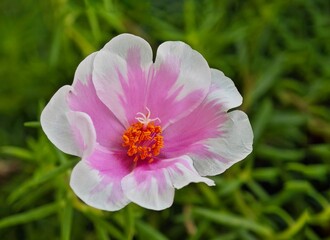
(17, 152)
(268, 78)
(227, 187)
(322, 150)
(231, 220)
(37, 180)
(101, 232)
(279, 154)
(316, 171)
(106, 226)
(66, 221)
(129, 217)
(34, 124)
(145, 231)
(32, 215)
(202, 227)
(258, 190)
(295, 227)
(273, 209)
(93, 20)
(262, 118)
(266, 174)
(210, 195)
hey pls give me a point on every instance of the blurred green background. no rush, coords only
(276, 52)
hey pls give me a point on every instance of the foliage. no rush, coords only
(277, 53)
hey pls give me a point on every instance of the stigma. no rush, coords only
(145, 119)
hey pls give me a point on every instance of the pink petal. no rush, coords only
(120, 72)
(179, 80)
(97, 180)
(208, 126)
(109, 77)
(55, 123)
(152, 185)
(233, 145)
(185, 135)
(83, 98)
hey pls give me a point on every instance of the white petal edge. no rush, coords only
(84, 69)
(122, 43)
(194, 70)
(225, 90)
(233, 146)
(147, 193)
(190, 174)
(84, 180)
(108, 87)
(85, 135)
(54, 118)
(55, 123)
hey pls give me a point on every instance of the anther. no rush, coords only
(143, 138)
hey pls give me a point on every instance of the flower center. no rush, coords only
(143, 138)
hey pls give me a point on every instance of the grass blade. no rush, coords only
(29, 216)
(233, 221)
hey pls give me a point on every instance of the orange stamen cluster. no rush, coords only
(143, 141)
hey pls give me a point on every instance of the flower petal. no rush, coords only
(224, 91)
(120, 75)
(83, 98)
(55, 123)
(187, 134)
(120, 89)
(180, 82)
(84, 70)
(213, 138)
(83, 130)
(152, 185)
(232, 146)
(97, 180)
(125, 44)
(183, 173)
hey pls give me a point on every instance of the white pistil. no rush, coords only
(145, 119)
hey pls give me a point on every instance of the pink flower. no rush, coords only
(144, 128)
